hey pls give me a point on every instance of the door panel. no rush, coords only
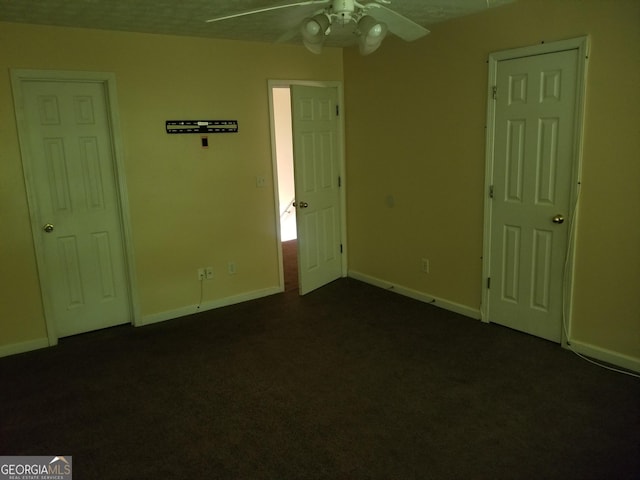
(532, 172)
(316, 172)
(69, 150)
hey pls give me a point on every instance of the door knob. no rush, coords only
(559, 218)
(303, 204)
(48, 228)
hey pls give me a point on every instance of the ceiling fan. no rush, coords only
(371, 21)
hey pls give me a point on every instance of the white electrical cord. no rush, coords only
(201, 294)
(565, 286)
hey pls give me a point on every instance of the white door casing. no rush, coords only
(532, 180)
(317, 183)
(75, 200)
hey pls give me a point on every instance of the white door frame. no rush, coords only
(341, 155)
(108, 80)
(581, 44)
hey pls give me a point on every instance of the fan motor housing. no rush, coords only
(343, 9)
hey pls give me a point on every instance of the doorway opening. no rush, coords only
(307, 147)
(283, 136)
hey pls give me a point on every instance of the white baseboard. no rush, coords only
(416, 295)
(22, 347)
(191, 309)
(592, 351)
(608, 356)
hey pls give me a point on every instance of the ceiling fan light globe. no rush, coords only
(372, 32)
(313, 31)
(376, 30)
(312, 27)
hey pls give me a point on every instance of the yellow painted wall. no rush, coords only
(415, 139)
(189, 207)
(415, 132)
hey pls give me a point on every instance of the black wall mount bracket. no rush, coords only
(201, 126)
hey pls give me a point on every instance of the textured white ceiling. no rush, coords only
(187, 17)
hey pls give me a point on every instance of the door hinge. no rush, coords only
(488, 282)
(490, 191)
(337, 110)
(494, 92)
(339, 181)
(340, 248)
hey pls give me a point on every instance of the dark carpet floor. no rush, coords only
(348, 382)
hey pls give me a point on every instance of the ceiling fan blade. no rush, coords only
(400, 26)
(267, 9)
(288, 35)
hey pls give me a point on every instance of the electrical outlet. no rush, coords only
(261, 181)
(231, 268)
(209, 273)
(201, 274)
(425, 265)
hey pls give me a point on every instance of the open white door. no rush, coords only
(532, 184)
(317, 179)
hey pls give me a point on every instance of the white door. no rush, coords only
(535, 128)
(75, 200)
(317, 185)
